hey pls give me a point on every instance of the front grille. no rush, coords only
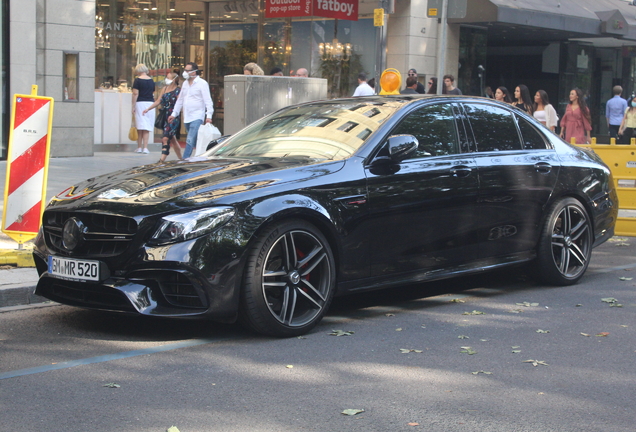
(179, 291)
(106, 235)
(85, 295)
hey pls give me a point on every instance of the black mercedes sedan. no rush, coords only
(323, 199)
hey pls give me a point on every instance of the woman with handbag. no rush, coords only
(142, 98)
(167, 99)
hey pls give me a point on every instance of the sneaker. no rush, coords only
(145, 151)
(138, 150)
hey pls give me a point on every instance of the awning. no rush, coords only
(567, 18)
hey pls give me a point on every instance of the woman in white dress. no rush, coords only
(543, 111)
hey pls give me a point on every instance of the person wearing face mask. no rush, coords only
(627, 129)
(196, 102)
(167, 99)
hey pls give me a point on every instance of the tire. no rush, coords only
(289, 280)
(565, 246)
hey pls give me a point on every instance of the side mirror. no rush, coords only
(216, 141)
(401, 147)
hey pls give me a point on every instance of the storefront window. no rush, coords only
(71, 72)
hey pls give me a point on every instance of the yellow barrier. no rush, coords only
(621, 159)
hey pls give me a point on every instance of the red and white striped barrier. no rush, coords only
(27, 165)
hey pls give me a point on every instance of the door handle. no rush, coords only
(543, 167)
(460, 171)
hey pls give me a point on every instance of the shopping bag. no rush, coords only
(132, 133)
(207, 133)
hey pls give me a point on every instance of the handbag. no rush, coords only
(160, 120)
(132, 133)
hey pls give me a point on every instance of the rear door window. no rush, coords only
(493, 127)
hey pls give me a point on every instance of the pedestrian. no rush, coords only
(142, 97)
(432, 86)
(363, 88)
(503, 95)
(196, 102)
(488, 92)
(302, 73)
(252, 69)
(628, 124)
(276, 72)
(449, 83)
(615, 111)
(522, 99)
(371, 83)
(411, 86)
(543, 111)
(420, 87)
(167, 99)
(576, 123)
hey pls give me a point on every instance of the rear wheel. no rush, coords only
(289, 280)
(565, 247)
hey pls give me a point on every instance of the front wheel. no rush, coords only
(565, 246)
(289, 280)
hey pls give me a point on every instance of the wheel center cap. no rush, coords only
(294, 277)
(567, 241)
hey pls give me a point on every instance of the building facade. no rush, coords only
(83, 52)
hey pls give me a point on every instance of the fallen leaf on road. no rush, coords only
(289, 366)
(406, 351)
(412, 424)
(481, 371)
(543, 331)
(111, 385)
(536, 362)
(585, 334)
(340, 333)
(609, 300)
(623, 278)
(301, 337)
(579, 305)
(458, 301)
(462, 337)
(515, 311)
(475, 312)
(468, 350)
(602, 334)
(389, 314)
(352, 411)
(398, 329)
(172, 429)
(526, 304)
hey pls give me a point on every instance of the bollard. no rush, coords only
(572, 140)
(612, 141)
(593, 141)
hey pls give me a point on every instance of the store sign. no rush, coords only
(287, 8)
(339, 9)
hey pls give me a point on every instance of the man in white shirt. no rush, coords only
(363, 88)
(197, 105)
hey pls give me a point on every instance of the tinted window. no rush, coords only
(493, 127)
(530, 137)
(434, 128)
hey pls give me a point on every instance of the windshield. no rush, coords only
(326, 130)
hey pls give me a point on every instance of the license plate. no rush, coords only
(69, 268)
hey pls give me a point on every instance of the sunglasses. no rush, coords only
(430, 83)
(412, 74)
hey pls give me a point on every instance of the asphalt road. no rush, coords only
(55, 362)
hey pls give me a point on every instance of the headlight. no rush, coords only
(186, 226)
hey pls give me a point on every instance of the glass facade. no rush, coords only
(221, 37)
(4, 85)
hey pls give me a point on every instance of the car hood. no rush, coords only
(186, 184)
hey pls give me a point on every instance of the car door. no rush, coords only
(422, 209)
(518, 170)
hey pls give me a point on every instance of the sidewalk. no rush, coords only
(17, 284)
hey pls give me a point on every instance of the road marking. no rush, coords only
(109, 357)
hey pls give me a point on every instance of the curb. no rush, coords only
(20, 296)
(17, 257)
